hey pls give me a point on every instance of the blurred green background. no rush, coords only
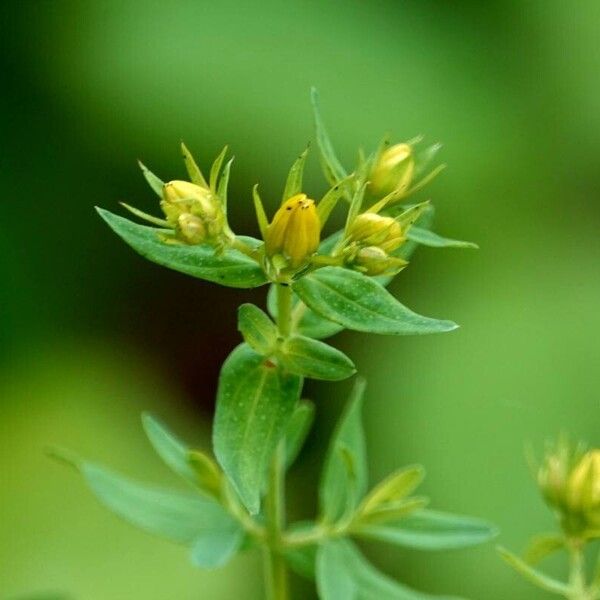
(90, 334)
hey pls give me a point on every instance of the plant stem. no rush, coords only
(275, 567)
(577, 581)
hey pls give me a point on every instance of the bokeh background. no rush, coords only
(90, 334)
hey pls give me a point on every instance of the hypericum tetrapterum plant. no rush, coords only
(319, 285)
(569, 479)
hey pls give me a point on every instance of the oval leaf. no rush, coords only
(358, 302)
(431, 530)
(232, 268)
(317, 360)
(255, 402)
(259, 332)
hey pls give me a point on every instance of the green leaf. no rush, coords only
(330, 199)
(431, 530)
(153, 181)
(395, 487)
(259, 332)
(357, 302)
(231, 269)
(216, 547)
(215, 170)
(312, 358)
(179, 517)
(542, 546)
(224, 184)
(355, 206)
(347, 437)
(261, 215)
(302, 560)
(532, 575)
(255, 402)
(332, 167)
(192, 168)
(293, 184)
(429, 238)
(173, 452)
(298, 429)
(391, 511)
(343, 573)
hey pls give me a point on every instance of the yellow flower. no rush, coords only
(184, 197)
(393, 171)
(583, 488)
(370, 229)
(294, 231)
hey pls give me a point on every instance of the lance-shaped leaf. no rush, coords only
(431, 530)
(215, 169)
(293, 184)
(153, 181)
(332, 167)
(311, 358)
(533, 576)
(429, 238)
(255, 402)
(259, 332)
(182, 518)
(348, 438)
(298, 429)
(344, 574)
(192, 168)
(231, 269)
(358, 302)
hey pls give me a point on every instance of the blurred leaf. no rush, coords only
(431, 530)
(298, 429)
(216, 547)
(423, 159)
(395, 487)
(192, 168)
(207, 473)
(332, 167)
(232, 268)
(153, 181)
(357, 302)
(312, 358)
(302, 560)
(542, 546)
(259, 332)
(215, 169)
(255, 402)
(391, 511)
(343, 574)
(538, 579)
(293, 184)
(348, 436)
(174, 453)
(429, 238)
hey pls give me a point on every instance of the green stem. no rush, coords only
(577, 583)
(275, 567)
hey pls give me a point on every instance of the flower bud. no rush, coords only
(185, 197)
(294, 231)
(393, 171)
(583, 488)
(373, 261)
(370, 229)
(552, 477)
(191, 228)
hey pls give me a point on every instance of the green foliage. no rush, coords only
(358, 302)
(259, 332)
(255, 402)
(232, 268)
(298, 429)
(429, 238)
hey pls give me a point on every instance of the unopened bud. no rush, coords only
(373, 261)
(583, 488)
(394, 171)
(183, 196)
(191, 228)
(370, 229)
(294, 231)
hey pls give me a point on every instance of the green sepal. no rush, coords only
(360, 303)
(154, 182)
(534, 576)
(223, 184)
(335, 488)
(342, 573)
(215, 170)
(261, 215)
(330, 199)
(311, 358)
(542, 546)
(426, 237)
(231, 268)
(332, 167)
(192, 168)
(431, 530)
(298, 429)
(255, 402)
(424, 158)
(259, 332)
(293, 184)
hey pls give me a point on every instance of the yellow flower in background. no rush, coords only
(295, 230)
(583, 487)
(393, 171)
(370, 229)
